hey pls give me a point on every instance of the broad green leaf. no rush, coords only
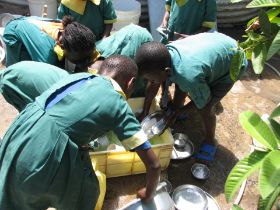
(243, 169)
(249, 54)
(258, 129)
(236, 64)
(276, 129)
(236, 207)
(275, 20)
(247, 43)
(266, 204)
(235, 1)
(272, 13)
(255, 37)
(274, 47)
(274, 28)
(275, 112)
(258, 58)
(263, 3)
(269, 177)
(264, 22)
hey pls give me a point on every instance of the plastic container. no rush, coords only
(36, 8)
(127, 12)
(122, 163)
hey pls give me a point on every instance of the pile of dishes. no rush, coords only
(183, 197)
(161, 200)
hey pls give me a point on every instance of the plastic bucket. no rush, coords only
(127, 12)
(36, 7)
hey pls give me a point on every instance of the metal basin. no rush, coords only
(165, 186)
(162, 201)
(154, 124)
(189, 197)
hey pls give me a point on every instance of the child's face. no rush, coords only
(156, 76)
(79, 58)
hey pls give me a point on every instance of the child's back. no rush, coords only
(95, 14)
(190, 17)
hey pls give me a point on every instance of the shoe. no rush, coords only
(206, 152)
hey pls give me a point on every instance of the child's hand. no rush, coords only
(141, 117)
(180, 36)
(143, 196)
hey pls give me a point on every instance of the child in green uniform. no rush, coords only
(49, 41)
(188, 17)
(43, 162)
(22, 82)
(98, 15)
(126, 41)
(199, 66)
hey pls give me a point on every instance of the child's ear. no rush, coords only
(131, 81)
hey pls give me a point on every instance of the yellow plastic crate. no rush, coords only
(122, 163)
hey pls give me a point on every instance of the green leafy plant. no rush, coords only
(262, 34)
(267, 133)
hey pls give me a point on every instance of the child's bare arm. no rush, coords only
(153, 171)
(107, 30)
(151, 92)
(165, 19)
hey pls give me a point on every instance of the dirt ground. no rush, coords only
(260, 95)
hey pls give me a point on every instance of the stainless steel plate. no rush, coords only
(189, 197)
(182, 152)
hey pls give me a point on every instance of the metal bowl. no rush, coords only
(189, 197)
(183, 147)
(200, 171)
(180, 140)
(161, 200)
(165, 186)
(154, 124)
(2, 54)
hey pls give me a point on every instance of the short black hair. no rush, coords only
(119, 66)
(152, 56)
(76, 37)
